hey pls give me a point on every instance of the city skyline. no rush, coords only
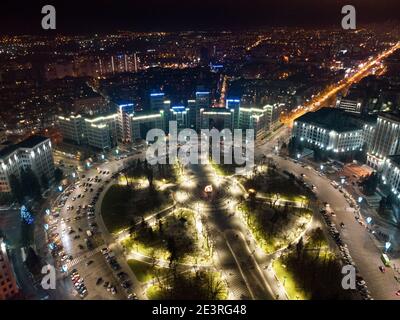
(156, 15)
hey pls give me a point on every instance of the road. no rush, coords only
(361, 71)
(70, 229)
(361, 245)
(235, 254)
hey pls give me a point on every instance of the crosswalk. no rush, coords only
(72, 263)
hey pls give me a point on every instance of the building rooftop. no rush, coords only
(331, 119)
(27, 143)
(391, 116)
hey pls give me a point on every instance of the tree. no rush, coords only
(299, 247)
(371, 183)
(58, 175)
(171, 247)
(30, 184)
(16, 188)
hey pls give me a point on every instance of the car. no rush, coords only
(398, 293)
(382, 269)
(133, 296)
(105, 285)
(113, 290)
(99, 280)
(361, 283)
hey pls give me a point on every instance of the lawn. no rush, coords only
(172, 237)
(145, 272)
(287, 278)
(274, 227)
(311, 270)
(122, 206)
(201, 285)
(272, 183)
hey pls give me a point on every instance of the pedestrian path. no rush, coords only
(72, 263)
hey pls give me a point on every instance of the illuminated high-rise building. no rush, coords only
(8, 285)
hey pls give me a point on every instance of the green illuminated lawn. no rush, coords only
(286, 277)
(145, 272)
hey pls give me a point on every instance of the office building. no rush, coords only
(234, 104)
(102, 132)
(272, 115)
(124, 121)
(202, 102)
(390, 174)
(35, 152)
(219, 118)
(157, 101)
(386, 140)
(252, 118)
(142, 123)
(8, 285)
(180, 114)
(72, 128)
(329, 129)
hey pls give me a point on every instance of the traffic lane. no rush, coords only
(70, 244)
(362, 248)
(246, 262)
(233, 274)
(98, 268)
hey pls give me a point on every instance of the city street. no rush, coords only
(361, 245)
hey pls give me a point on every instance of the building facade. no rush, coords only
(330, 130)
(35, 152)
(391, 174)
(386, 141)
(8, 285)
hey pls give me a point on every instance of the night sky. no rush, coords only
(152, 15)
